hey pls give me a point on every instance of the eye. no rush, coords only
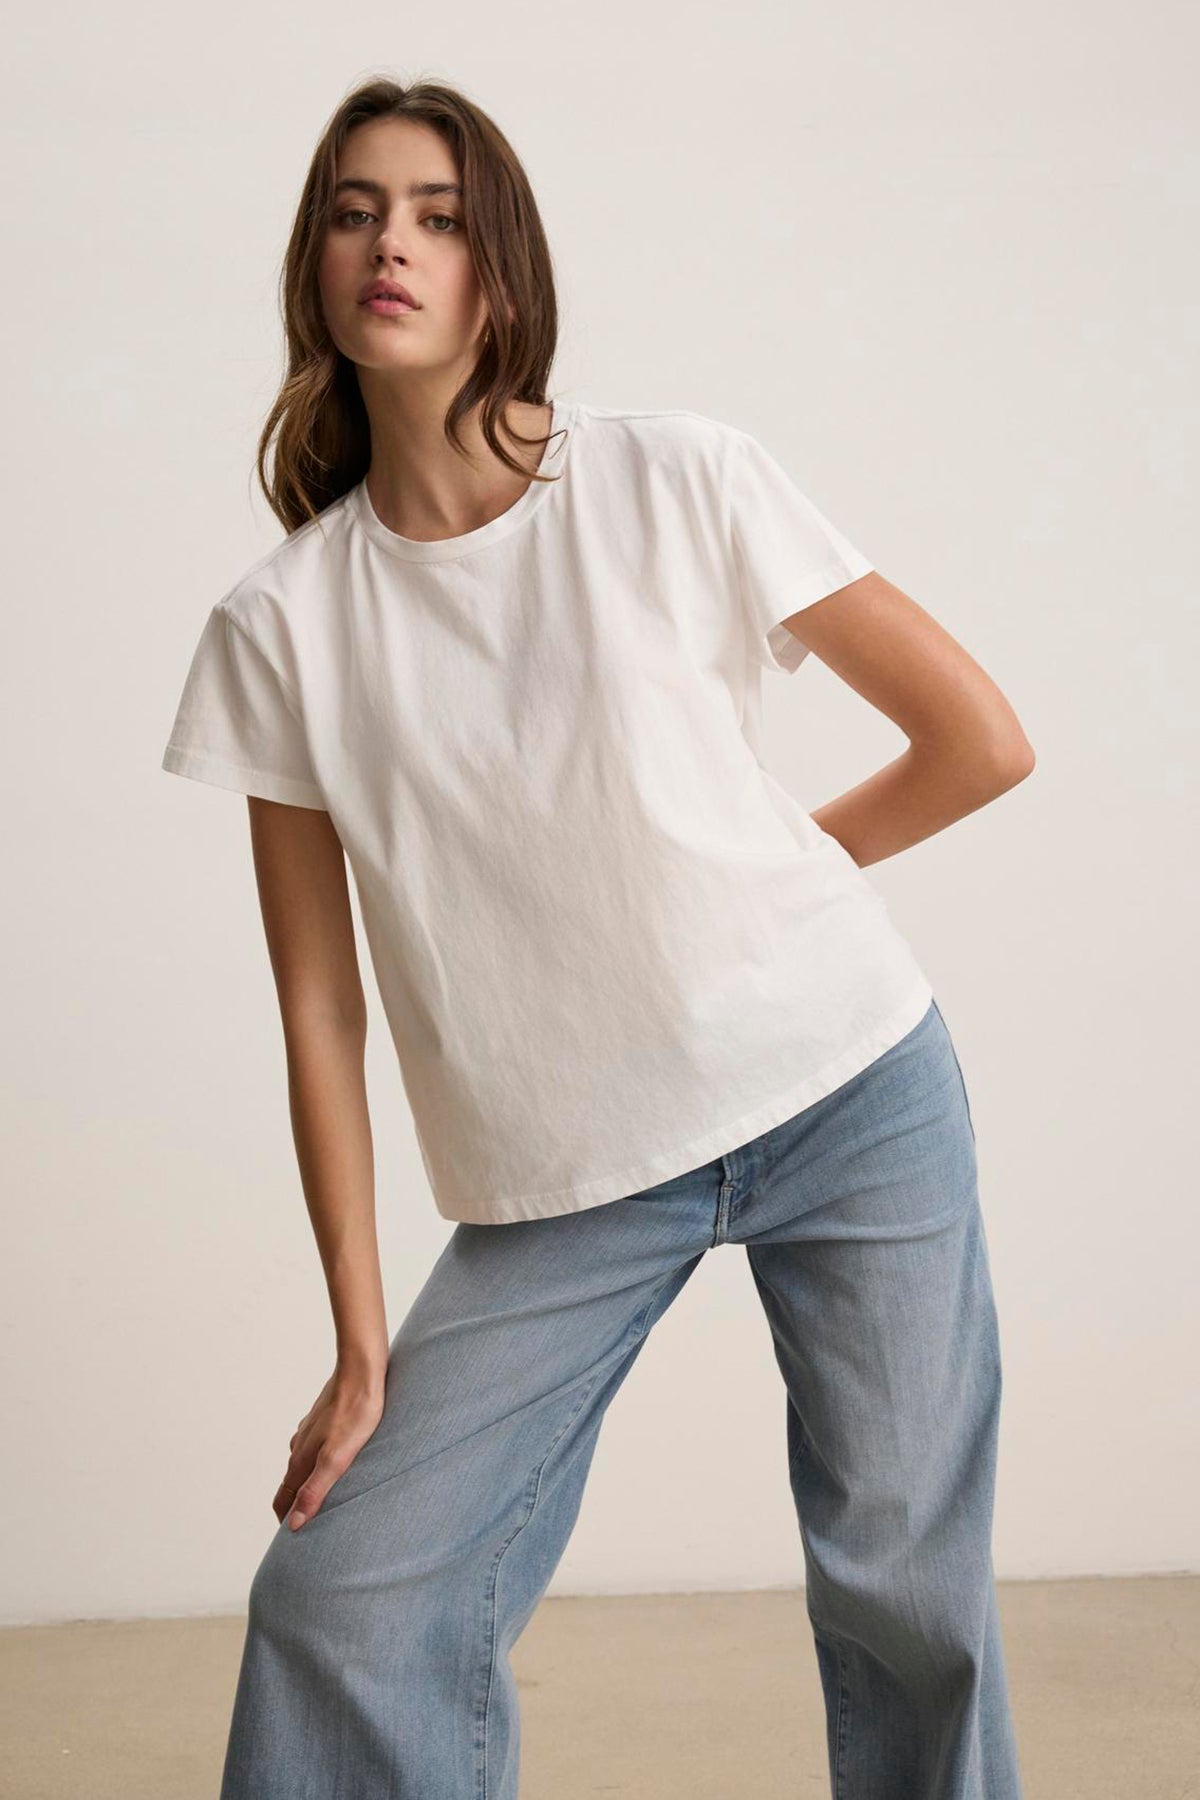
(351, 211)
(450, 220)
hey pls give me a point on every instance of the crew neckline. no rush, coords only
(553, 460)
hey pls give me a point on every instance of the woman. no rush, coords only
(644, 1004)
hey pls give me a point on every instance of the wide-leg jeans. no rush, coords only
(376, 1659)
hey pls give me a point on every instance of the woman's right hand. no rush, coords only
(325, 1443)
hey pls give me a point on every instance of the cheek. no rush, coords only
(334, 272)
(338, 283)
(460, 283)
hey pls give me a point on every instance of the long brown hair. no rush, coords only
(318, 421)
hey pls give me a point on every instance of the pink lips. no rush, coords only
(383, 296)
(387, 304)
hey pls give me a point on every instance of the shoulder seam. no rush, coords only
(292, 537)
(603, 414)
(242, 630)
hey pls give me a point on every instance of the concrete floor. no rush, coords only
(712, 1697)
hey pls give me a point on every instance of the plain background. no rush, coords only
(943, 264)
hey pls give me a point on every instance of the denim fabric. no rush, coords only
(376, 1658)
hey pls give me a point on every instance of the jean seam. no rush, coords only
(841, 1722)
(962, 1081)
(536, 1479)
(632, 1337)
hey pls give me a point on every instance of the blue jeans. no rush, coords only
(376, 1658)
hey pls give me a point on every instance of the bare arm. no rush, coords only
(966, 745)
(300, 868)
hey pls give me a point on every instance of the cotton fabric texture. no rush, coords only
(610, 946)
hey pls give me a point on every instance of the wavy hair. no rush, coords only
(318, 423)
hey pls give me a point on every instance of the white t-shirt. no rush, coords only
(609, 945)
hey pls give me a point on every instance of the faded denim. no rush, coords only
(376, 1658)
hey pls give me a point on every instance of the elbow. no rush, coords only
(1003, 755)
(986, 767)
(315, 1017)
(1004, 766)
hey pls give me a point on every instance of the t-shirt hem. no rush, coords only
(200, 765)
(779, 646)
(513, 1208)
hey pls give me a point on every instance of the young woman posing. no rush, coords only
(644, 1003)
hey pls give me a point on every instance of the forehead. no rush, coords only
(404, 156)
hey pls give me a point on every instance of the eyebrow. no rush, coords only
(416, 189)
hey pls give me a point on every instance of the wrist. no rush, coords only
(363, 1365)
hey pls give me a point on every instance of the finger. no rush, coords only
(298, 1468)
(284, 1496)
(329, 1466)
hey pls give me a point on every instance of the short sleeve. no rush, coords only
(787, 555)
(238, 724)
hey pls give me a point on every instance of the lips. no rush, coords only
(386, 290)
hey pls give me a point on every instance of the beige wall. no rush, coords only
(943, 265)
